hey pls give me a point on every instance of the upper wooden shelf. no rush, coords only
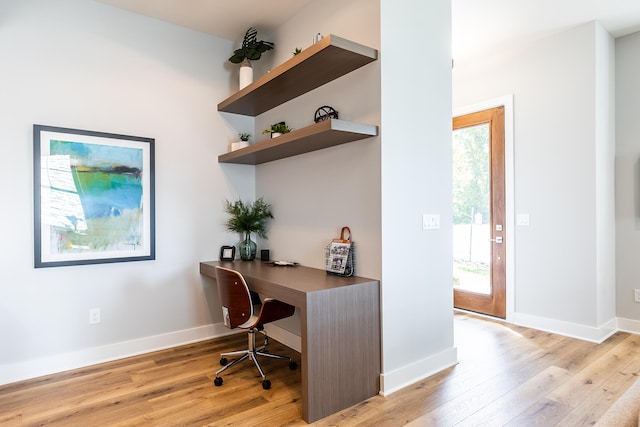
(326, 60)
(317, 136)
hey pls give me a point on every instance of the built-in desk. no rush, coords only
(340, 328)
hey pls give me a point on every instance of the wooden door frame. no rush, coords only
(494, 303)
(506, 102)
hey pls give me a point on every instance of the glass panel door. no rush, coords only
(479, 264)
(471, 213)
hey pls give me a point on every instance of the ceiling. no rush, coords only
(223, 18)
(479, 26)
(482, 26)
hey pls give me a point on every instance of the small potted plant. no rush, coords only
(244, 141)
(251, 50)
(278, 129)
(248, 218)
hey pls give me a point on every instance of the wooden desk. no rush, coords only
(340, 328)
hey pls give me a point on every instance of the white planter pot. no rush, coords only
(238, 145)
(246, 74)
(275, 134)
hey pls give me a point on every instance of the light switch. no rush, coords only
(522, 219)
(430, 221)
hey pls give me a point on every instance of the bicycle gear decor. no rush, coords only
(325, 112)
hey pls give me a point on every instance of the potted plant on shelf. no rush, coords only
(248, 218)
(251, 50)
(278, 129)
(244, 141)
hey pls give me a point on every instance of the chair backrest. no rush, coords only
(234, 297)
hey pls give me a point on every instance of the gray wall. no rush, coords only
(627, 177)
(381, 186)
(82, 64)
(563, 175)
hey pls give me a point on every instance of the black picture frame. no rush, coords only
(94, 197)
(227, 253)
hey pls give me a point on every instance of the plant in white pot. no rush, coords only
(278, 129)
(244, 141)
(248, 218)
(251, 50)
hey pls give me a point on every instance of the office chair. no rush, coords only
(237, 312)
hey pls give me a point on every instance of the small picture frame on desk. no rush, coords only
(227, 253)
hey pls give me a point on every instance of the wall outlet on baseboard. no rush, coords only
(636, 295)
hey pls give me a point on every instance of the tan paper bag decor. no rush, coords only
(340, 254)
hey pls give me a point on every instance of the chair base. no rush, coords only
(251, 353)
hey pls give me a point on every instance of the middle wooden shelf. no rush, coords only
(317, 136)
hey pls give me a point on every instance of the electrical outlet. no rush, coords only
(636, 295)
(94, 316)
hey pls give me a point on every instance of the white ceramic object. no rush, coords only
(238, 145)
(246, 74)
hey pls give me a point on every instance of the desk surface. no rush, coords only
(288, 283)
(340, 328)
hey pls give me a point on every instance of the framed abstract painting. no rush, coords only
(93, 197)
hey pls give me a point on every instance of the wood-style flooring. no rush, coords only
(507, 376)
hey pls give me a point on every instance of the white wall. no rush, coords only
(416, 179)
(317, 193)
(605, 147)
(361, 183)
(313, 195)
(627, 178)
(82, 64)
(562, 86)
(86, 65)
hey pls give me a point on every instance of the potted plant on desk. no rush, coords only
(247, 219)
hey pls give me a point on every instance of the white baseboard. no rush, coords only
(34, 368)
(573, 330)
(393, 381)
(285, 337)
(629, 325)
(63, 362)
(389, 382)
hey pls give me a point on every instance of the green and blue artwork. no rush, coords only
(95, 197)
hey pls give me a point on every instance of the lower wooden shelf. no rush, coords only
(311, 138)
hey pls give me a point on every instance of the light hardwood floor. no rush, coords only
(507, 376)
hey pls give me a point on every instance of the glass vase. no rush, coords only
(247, 248)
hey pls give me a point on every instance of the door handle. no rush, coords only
(497, 239)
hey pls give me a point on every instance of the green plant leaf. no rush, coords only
(252, 48)
(248, 218)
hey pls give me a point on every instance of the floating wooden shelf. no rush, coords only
(322, 62)
(311, 138)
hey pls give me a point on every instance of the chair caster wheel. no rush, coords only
(217, 381)
(293, 365)
(223, 361)
(266, 384)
